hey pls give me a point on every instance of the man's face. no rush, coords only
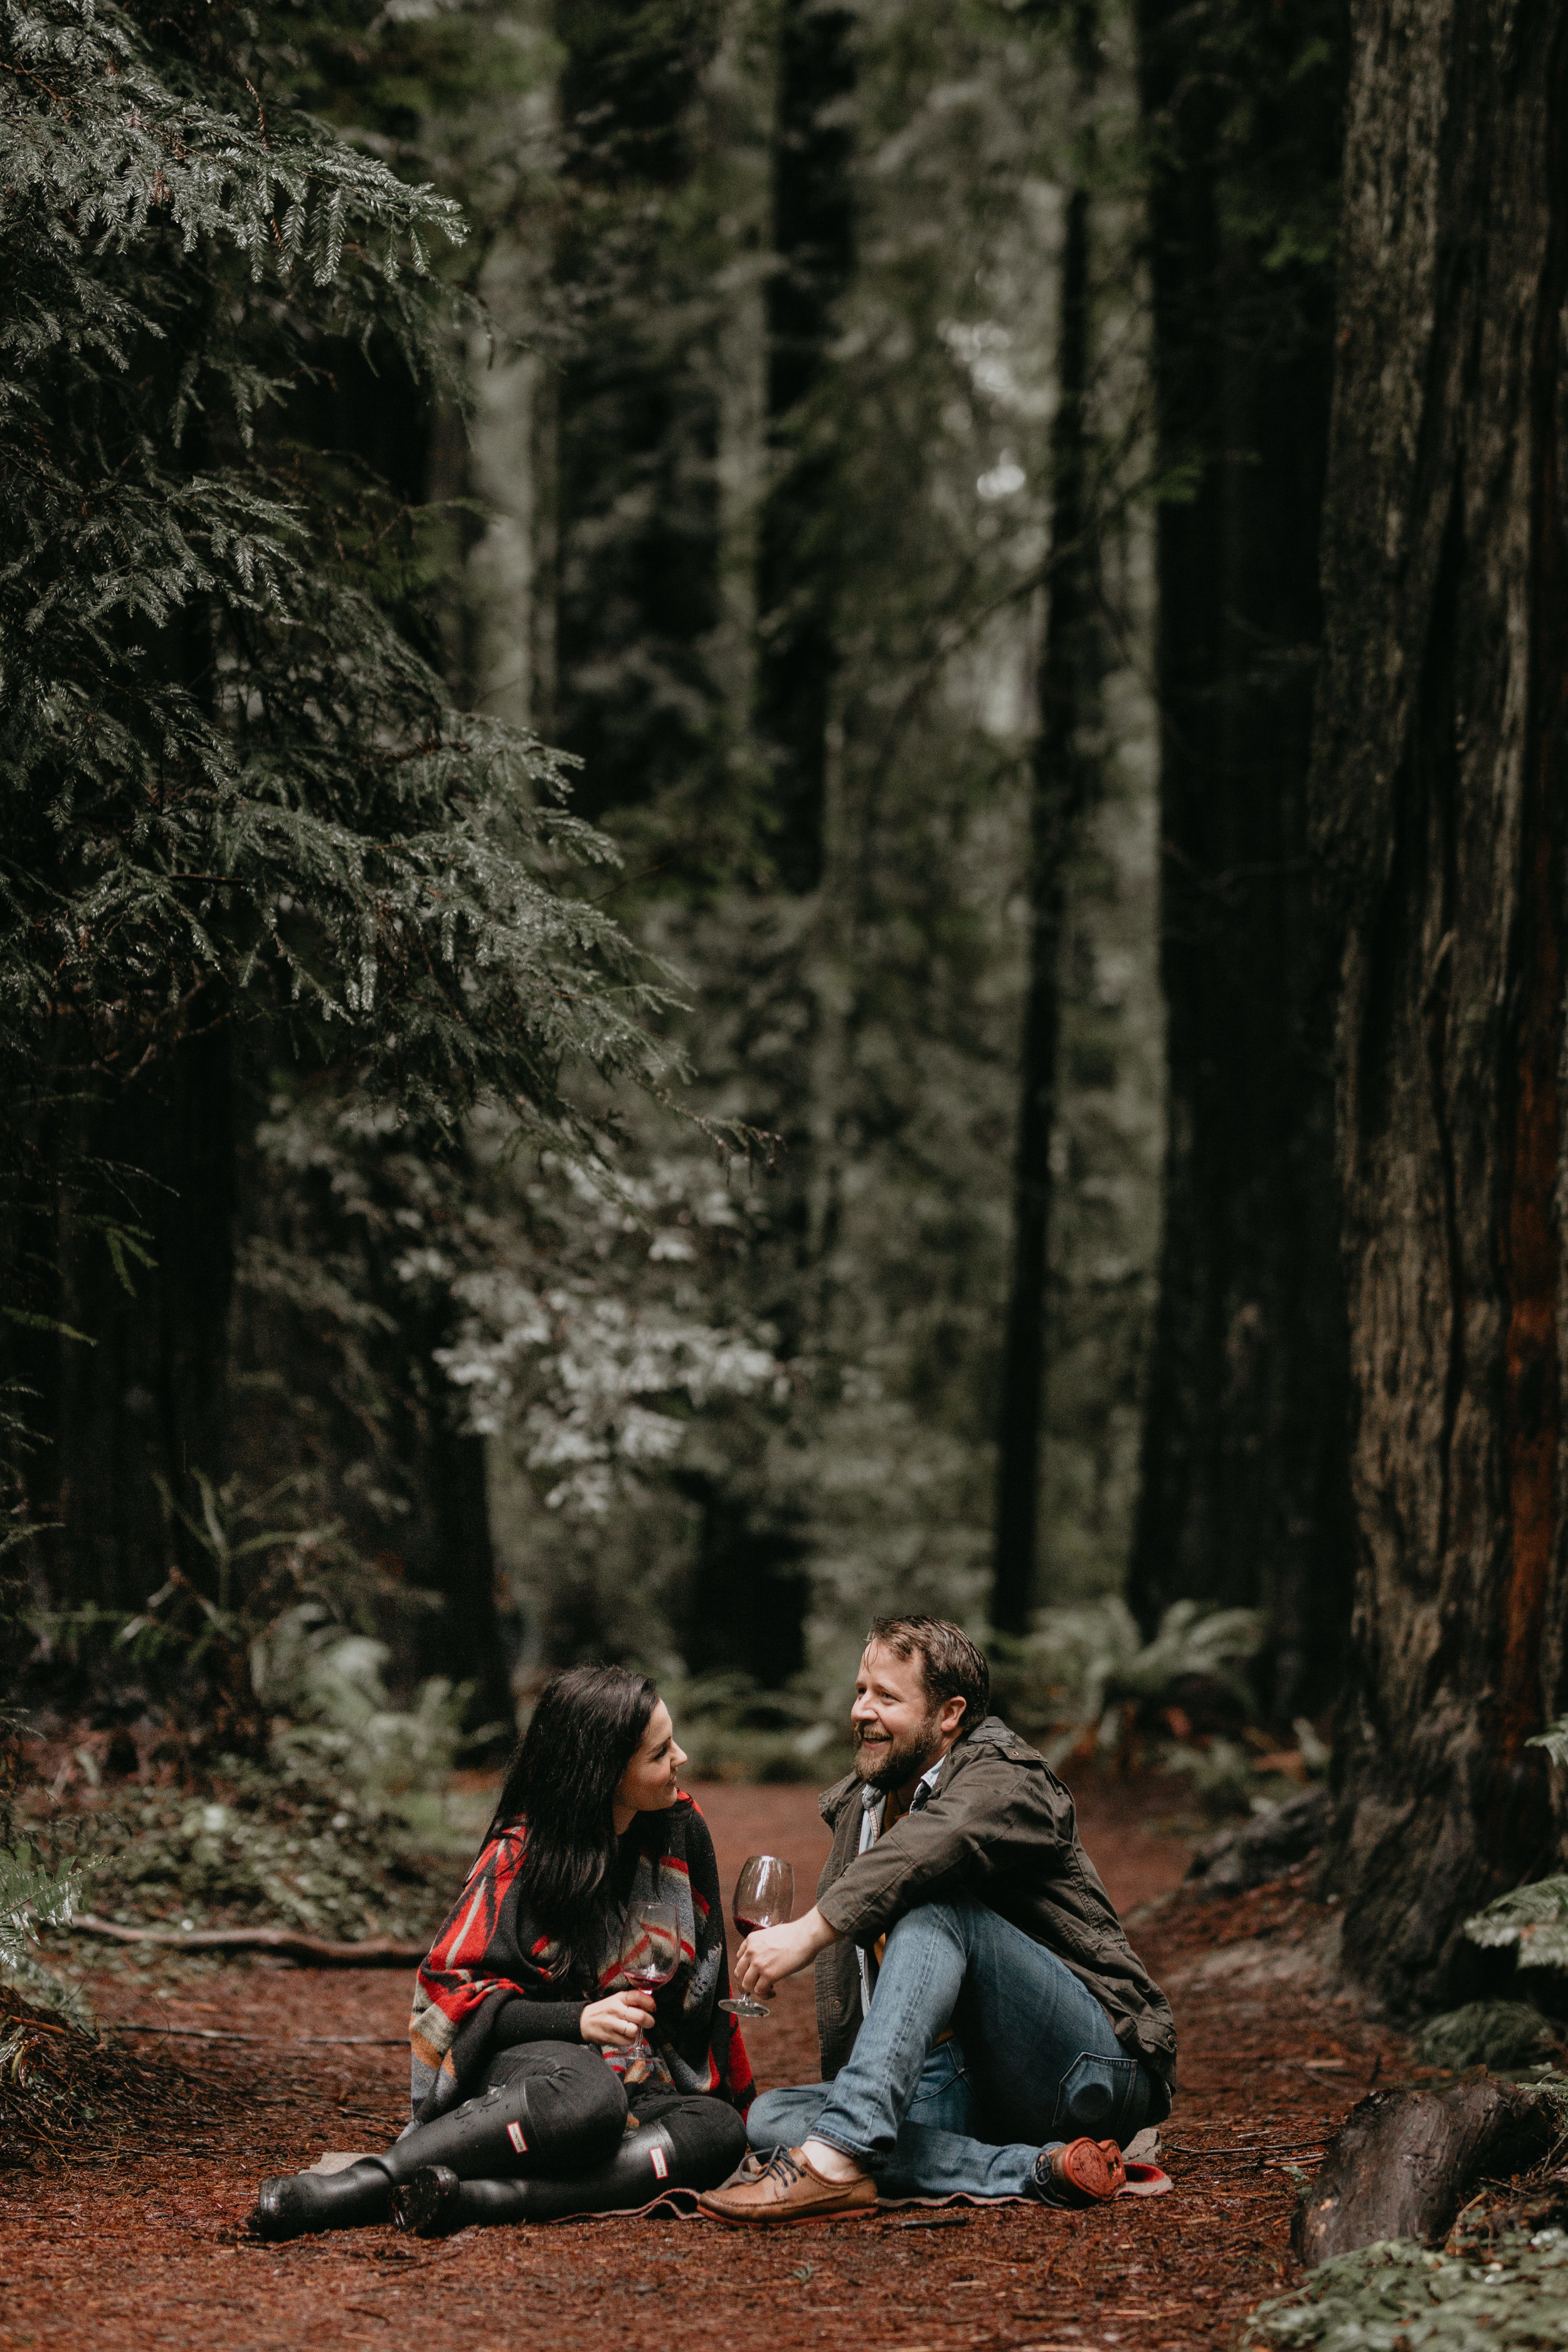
(898, 1732)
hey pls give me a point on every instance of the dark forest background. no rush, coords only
(980, 1115)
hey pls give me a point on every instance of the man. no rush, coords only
(985, 2025)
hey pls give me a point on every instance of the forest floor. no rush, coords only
(128, 2247)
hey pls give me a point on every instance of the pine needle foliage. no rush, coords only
(230, 787)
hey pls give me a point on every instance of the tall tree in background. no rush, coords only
(754, 507)
(1440, 791)
(1061, 780)
(1244, 1492)
(244, 829)
(814, 247)
(635, 494)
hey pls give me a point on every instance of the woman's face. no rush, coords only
(651, 1780)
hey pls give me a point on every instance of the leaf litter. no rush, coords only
(136, 2242)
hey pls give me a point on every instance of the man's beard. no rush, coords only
(888, 1768)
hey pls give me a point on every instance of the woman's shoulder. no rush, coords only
(686, 1820)
(501, 1854)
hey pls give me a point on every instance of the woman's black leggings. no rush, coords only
(550, 2135)
(583, 2151)
(546, 2108)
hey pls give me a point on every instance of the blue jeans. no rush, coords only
(1033, 2062)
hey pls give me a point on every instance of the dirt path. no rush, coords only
(140, 2251)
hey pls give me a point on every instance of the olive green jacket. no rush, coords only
(998, 1828)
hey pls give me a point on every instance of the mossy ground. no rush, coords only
(1398, 2296)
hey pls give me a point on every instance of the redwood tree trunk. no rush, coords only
(1439, 785)
(1060, 788)
(1244, 1497)
(800, 552)
(147, 1398)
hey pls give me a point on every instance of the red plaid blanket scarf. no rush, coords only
(486, 1954)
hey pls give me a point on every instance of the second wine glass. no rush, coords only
(650, 1960)
(765, 1897)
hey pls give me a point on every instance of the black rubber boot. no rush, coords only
(552, 2117)
(433, 2201)
(517, 2127)
(301, 2204)
(487, 2135)
(492, 2135)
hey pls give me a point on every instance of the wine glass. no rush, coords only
(765, 1897)
(651, 1961)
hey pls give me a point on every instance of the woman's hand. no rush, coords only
(616, 2019)
(776, 1952)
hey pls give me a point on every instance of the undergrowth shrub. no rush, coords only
(1398, 2296)
(294, 1848)
(1086, 1682)
(34, 1894)
(1496, 2034)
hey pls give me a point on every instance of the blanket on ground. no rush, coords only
(487, 1953)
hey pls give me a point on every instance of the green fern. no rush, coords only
(1080, 1662)
(32, 1895)
(1533, 1919)
(1554, 1739)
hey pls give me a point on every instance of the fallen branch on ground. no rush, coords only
(309, 1951)
(1401, 2162)
(268, 2041)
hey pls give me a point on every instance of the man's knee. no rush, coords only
(951, 1920)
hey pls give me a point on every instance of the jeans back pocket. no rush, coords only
(1095, 2095)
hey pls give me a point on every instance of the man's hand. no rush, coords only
(616, 2019)
(765, 1958)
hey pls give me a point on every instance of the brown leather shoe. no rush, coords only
(1084, 2172)
(790, 2190)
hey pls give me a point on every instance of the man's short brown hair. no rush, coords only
(950, 1665)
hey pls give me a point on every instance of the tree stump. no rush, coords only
(1403, 2162)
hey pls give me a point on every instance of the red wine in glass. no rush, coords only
(653, 1959)
(765, 1897)
(648, 1980)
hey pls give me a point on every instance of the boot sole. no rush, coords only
(264, 2235)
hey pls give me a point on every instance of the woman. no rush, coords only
(529, 2101)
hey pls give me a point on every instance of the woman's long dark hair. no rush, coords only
(587, 1725)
